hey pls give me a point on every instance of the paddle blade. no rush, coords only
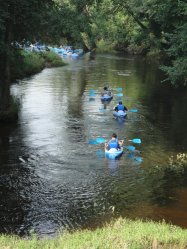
(119, 89)
(136, 140)
(92, 141)
(138, 159)
(100, 140)
(92, 94)
(119, 94)
(133, 110)
(129, 147)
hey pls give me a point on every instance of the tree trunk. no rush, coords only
(5, 83)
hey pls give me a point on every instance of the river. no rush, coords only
(52, 179)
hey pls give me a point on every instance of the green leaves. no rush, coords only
(177, 71)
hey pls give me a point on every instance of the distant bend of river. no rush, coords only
(51, 178)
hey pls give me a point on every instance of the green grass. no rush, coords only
(52, 59)
(121, 234)
(24, 63)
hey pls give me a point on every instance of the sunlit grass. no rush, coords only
(120, 234)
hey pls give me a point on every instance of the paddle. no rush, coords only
(92, 141)
(132, 156)
(91, 93)
(130, 147)
(119, 89)
(136, 140)
(131, 150)
(119, 94)
(98, 140)
(133, 110)
(138, 159)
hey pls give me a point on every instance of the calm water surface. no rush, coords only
(51, 178)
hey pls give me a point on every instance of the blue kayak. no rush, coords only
(113, 153)
(106, 97)
(120, 114)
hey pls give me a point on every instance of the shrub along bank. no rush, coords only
(25, 63)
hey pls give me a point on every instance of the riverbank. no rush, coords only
(24, 64)
(122, 233)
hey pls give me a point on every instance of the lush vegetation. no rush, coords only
(27, 63)
(133, 26)
(23, 64)
(122, 233)
(146, 26)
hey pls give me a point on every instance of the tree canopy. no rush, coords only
(129, 25)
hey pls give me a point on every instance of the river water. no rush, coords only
(52, 179)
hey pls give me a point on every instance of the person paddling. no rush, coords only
(120, 107)
(114, 143)
(106, 91)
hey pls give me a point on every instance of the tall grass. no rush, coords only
(52, 60)
(121, 234)
(25, 63)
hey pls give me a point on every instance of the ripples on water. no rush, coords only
(51, 177)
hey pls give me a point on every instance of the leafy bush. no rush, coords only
(25, 63)
(52, 59)
(177, 71)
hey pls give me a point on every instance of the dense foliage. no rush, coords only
(134, 26)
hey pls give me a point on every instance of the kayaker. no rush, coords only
(106, 91)
(120, 107)
(114, 143)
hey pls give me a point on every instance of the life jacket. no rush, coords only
(113, 144)
(121, 107)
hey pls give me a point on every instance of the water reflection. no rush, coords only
(52, 178)
(113, 167)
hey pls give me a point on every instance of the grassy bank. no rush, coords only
(24, 63)
(120, 234)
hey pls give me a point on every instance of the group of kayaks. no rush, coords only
(120, 113)
(113, 153)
